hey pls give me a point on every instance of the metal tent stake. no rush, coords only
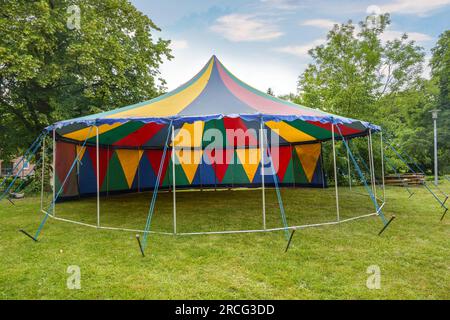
(138, 238)
(289, 241)
(386, 225)
(28, 235)
(445, 212)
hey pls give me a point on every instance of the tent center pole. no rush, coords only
(261, 147)
(335, 173)
(174, 184)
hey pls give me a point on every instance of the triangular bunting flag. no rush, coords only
(219, 160)
(104, 157)
(281, 157)
(189, 160)
(308, 155)
(154, 156)
(129, 160)
(250, 159)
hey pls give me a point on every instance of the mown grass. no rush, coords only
(328, 262)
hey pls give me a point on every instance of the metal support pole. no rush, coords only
(349, 171)
(436, 176)
(335, 173)
(43, 173)
(382, 166)
(371, 169)
(139, 170)
(373, 164)
(54, 173)
(261, 147)
(98, 176)
(174, 183)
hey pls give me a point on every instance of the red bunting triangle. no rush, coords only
(220, 162)
(104, 157)
(154, 157)
(281, 156)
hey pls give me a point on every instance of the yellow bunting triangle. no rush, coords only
(288, 132)
(308, 155)
(189, 160)
(190, 135)
(129, 160)
(250, 159)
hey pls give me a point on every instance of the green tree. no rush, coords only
(440, 70)
(355, 69)
(358, 75)
(53, 68)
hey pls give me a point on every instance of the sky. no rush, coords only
(265, 42)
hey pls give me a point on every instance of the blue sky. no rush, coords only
(265, 42)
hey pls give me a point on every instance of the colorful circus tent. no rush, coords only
(214, 131)
(131, 139)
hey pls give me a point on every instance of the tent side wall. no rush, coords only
(134, 170)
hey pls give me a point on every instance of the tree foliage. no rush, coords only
(440, 70)
(358, 75)
(52, 70)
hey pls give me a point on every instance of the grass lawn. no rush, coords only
(328, 262)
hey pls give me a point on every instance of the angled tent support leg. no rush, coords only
(29, 155)
(423, 183)
(52, 205)
(349, 171)
(422, 171)
(21, 184)
(275, 180)
(363, 179)
(405, 185)
(143, 245)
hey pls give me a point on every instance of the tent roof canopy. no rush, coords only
(213, 93)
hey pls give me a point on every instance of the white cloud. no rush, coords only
(300, 50)
(179, 44)
(413, 6)
(245, 27)
(283, 4)
(319, 23)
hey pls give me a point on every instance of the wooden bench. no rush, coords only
(404, 179)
